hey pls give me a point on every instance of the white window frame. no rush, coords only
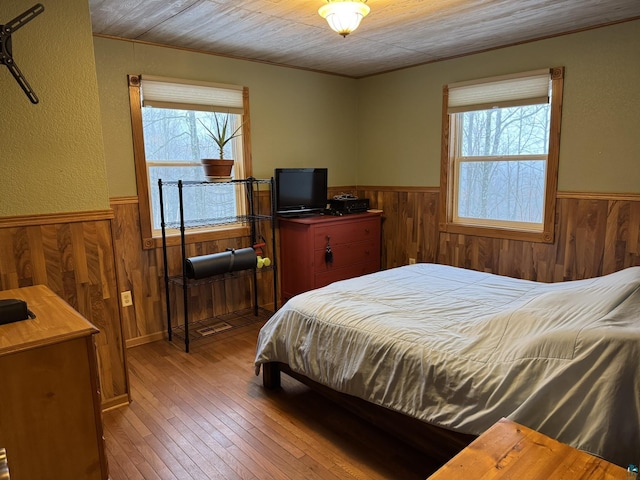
(505, 91)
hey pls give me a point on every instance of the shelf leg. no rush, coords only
(166, 263)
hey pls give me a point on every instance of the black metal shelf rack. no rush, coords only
(251, 187)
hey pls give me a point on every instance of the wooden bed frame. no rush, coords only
(438, 443)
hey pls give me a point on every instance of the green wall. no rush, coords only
(72, 151)
(400, 113)
(298, 118)
(51, 153)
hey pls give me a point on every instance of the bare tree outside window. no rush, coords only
(502, 163)
(175, 141)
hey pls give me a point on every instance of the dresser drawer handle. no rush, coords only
(366, 230)
(328, 253)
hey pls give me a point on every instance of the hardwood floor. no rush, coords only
(205, 415)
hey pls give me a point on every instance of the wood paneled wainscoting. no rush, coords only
(596, 234)
(140, 269)
(409, 222)
(72, 254)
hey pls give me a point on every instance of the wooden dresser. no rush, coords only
(355, 246)
(508, 450)
(50, 416)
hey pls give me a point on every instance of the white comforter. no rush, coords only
(461, 349)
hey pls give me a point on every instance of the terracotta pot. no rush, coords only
(217, 168)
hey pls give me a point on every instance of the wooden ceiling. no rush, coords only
(396, 34)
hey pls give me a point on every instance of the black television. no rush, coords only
(300, 191)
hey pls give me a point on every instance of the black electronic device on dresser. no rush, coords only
(300, 191)
(345, 203)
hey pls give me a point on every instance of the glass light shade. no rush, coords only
(344, 16)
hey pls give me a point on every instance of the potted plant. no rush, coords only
(221, 134)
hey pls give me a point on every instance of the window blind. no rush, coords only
(530, 88)
(186, 95)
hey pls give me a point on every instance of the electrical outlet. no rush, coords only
(412, 261)
(127, 301)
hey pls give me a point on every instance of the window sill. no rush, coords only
(504, 233)
(197, 237)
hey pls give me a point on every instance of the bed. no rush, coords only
(460, 349)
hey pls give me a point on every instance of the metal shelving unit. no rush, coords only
(252, 218)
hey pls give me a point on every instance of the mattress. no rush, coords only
(461, 349)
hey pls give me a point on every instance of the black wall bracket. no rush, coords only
(6, 53)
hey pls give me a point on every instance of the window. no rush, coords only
(501, 139)
(170, 119)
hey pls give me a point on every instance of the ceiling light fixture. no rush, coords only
(344, 16)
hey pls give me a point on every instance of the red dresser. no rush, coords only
(355, 246)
